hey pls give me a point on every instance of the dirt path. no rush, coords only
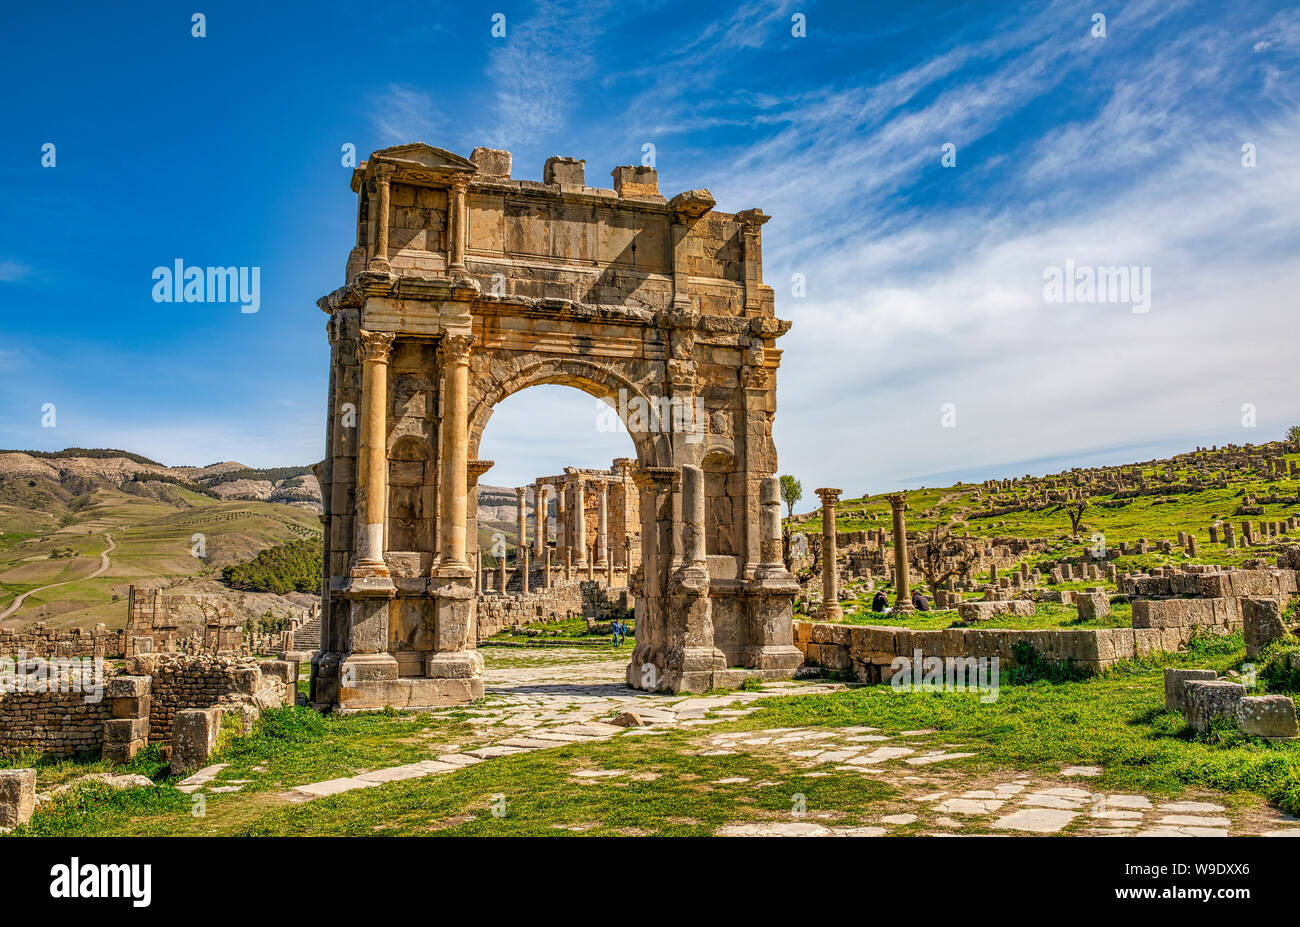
(104, 563)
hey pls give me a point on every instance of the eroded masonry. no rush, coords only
(465, 287)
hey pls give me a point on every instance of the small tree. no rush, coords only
(1293, 434)
(791, 492)
(1075, 510)
(941, 556)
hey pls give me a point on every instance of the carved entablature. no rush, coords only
(418, 164)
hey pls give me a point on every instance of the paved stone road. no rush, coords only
(537, 700)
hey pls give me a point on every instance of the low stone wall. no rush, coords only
(983, 611)
(40, 641)
(1207, 581)
(1224, 613)
(59, 723)
(602, 603)
(204, 681)
(498, 612)
(867, 651)
(119, 714)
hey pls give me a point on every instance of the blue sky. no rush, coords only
(924, 283)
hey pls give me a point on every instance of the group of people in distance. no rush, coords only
(880, 602)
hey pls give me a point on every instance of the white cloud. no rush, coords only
(403, 114)
(12, 271)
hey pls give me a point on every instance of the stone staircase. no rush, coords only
(307, 637)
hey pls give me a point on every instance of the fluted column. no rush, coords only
(383, 184)
(456, 230)
(602, 526)
(830, 610)
(539, 519)
(521, 522)
(580, 524)
(561, 525)
(372, 473)
(453, 358)
(903, 600)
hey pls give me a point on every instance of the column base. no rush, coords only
(832, 612)
(365, 581)
(455, 664)
(411, 693)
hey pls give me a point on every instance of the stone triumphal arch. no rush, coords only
(466, 286)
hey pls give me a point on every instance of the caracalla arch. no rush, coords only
(465, 287)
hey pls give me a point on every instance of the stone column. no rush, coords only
(523, 570)
(547, 575)
(591, 563)
(903, 600)
(691, 658)
(382, 179)
(474, 470)
(369, 586)
(501, 575)
(372, 472)
(478, 572)
(579, 541)
(521, 528)
(456, 230)
(539, 519)
(453, 357)
(602, 526)
(830, 609)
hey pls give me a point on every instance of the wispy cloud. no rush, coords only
(12, 271)
(404, 114)
(537, 70)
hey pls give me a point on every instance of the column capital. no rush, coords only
(383, 172)
(656, 479)
(375, 346)
(828, 496)
(521, 492)
(475, 469)
(454, 348)
(897, 501)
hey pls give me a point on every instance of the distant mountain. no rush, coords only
(29, 477)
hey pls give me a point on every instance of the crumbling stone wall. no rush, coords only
(120, 714)
(40, 641)
(498, 612)
(204, 681)
(866, 651)
(56, 723)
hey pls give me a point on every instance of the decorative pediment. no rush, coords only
(418, 164)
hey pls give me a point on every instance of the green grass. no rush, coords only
(1116, 720)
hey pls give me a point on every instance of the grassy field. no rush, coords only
(1150, 517)
(154, 541)
(1116, 721)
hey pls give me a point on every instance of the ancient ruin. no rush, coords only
(467, 286)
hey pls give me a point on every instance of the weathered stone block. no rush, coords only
(492, 163)
(565, 171)
(194, 735)
(983, 611)
(125, 730)
(17, 796)
(825, 633)
(635, 180)
(1209, 701)
(1270, 716)
(1174, 680)
(1263, 624)
(126, 686)
(1093, 605)
(135, 707)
